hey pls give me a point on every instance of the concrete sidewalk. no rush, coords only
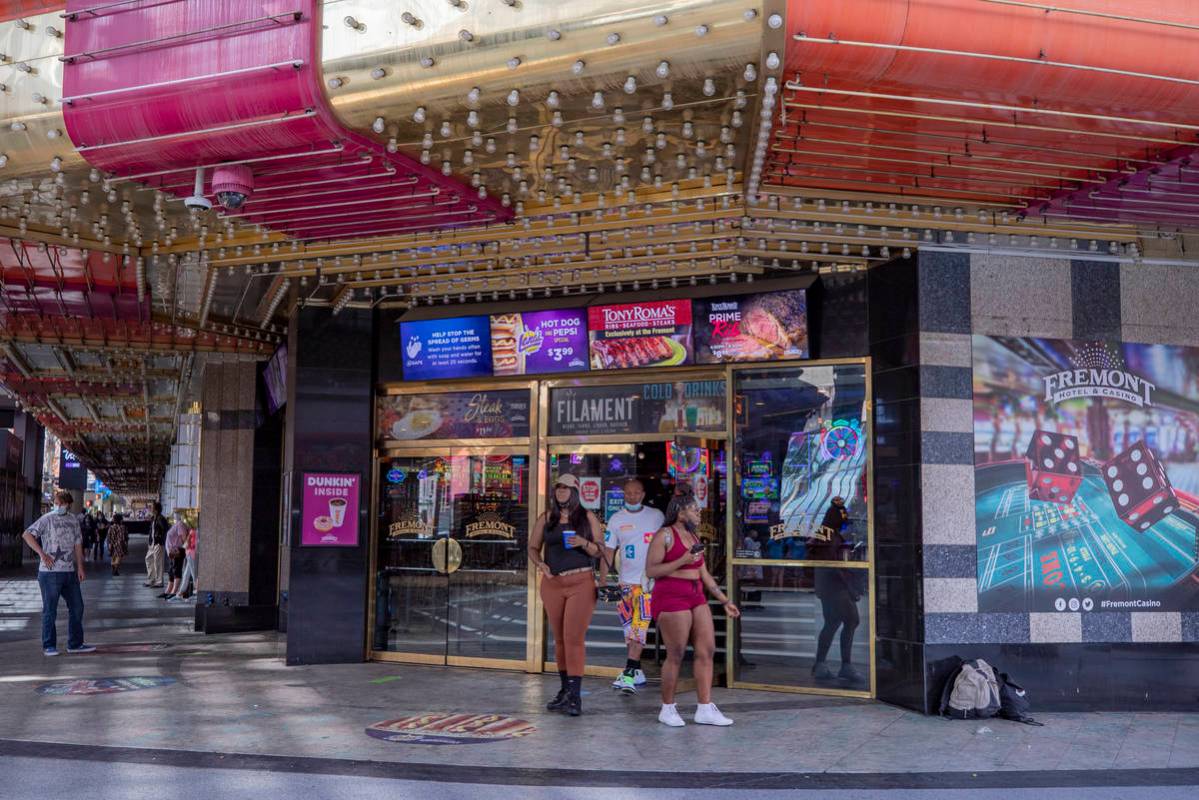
(233, 695)
(230, 700)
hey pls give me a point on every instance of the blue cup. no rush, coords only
(566, 538)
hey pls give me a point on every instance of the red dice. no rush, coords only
(1052, 467)
(1139, 487)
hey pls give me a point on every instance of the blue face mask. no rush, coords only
(60, 510)
(633, 508)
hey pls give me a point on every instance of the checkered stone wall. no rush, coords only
(965, 294)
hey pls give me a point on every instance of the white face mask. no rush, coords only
(633, 508)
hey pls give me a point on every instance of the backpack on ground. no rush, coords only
(972, 692)
(1013, 701)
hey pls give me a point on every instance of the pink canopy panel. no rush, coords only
(153, 89)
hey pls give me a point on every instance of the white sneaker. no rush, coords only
(709, 714)
(669, 715)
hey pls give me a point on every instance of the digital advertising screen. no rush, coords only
(435, 349)
(1086, 461)
(655, 334)
(752, 327)
(539, 342)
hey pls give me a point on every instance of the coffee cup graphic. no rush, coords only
(337, 510)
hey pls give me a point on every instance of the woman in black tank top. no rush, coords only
(563, 547)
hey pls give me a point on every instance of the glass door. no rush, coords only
(604, 471)
(451, 585)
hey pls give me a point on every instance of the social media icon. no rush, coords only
(1087, 604)
(1073, 603)
(1060, 604)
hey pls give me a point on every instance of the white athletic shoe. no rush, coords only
(709, 714)
(669, 715)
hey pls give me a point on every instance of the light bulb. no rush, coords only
(630, 85)
(772, 60)
(418, 116)
(667, 101)
(709, 87)
(661, 20)
(578, 67)
(701, 30)
(663, 70)
(473, 95)
(514, 98)
(613, 38)
(378, 125)
(597, 100)
(552, 99)
(775, 21)
(751, 73)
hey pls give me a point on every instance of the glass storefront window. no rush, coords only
(450, 566)
(803, 626)
(802, 439)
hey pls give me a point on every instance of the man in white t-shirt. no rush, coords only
(58, 542)
(628, 534)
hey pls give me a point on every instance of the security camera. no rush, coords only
(233, 185)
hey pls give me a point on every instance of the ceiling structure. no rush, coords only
(447, 151)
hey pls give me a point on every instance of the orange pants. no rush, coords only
(569, 602)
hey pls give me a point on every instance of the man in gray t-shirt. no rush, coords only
(58, 542)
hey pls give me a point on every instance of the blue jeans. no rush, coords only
(66, 586)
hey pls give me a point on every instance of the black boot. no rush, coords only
(574, 700)
(560, 700)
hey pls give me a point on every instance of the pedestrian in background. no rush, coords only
(176, 537)
(118, 542)
(154, 554)
(187, 584)
(58, 543)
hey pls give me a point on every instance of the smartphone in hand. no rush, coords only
(697, 548)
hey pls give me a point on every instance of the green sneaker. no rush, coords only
(626, 683)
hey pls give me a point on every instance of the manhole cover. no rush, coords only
(105, 685)
(450, 729)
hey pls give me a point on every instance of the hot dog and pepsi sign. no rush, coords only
(764, 326)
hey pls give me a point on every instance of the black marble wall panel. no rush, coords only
(264, 509)
(837, 313)
(330, 426)
(1095, 291)
(894, 326)
(1082, 677)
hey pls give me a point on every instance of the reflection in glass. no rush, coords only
(804, 626)
(450, 562)
(802, 439)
